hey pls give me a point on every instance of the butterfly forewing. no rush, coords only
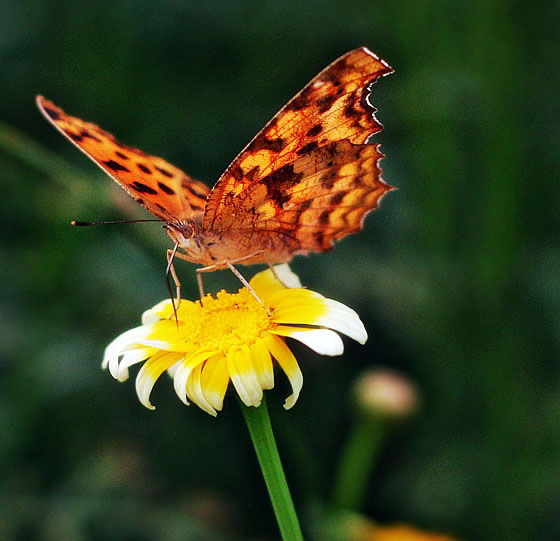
(160, 187)
(309, 175)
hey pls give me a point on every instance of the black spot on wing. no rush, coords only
(305, 205)
(142, 188)
(166, 188)
(262, 143)
(79, 137)
(307, 148)
(191, 187)
(164, 172)
(335, 72)
(350, 111)
(253, 172)
(324, 217)
(74, 136)
(89, 135)
(116, 166)
(236, 172)
(144, 168)
(52, 113)
(327, 180)
(121, 155)
(319, 237)
(337, 198)
(325, 103)
(315, 130)
(279, 182)
(300, 101)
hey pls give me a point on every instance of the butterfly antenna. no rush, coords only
(77, 223)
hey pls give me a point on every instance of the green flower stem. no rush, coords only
(357, 462)
(258, 422)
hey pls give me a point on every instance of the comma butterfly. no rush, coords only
(308, 178)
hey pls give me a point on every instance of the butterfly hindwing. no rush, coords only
(160, 187)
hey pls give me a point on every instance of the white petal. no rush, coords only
(341, 318)
(286, 276)
(323, 341)
(130, 358)
(144, 385)
(149, 373)
(196, 394)
(115, 349)
(180, 378)
(173, 369)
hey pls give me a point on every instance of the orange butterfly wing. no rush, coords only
(310, 176)
(160, 187)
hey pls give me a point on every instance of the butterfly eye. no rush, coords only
(186, 230)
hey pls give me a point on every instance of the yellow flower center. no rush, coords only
(229, 320)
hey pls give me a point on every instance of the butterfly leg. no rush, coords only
(236, 272)
(170, 270)
(230, 264)
(246, 284)
(271, 267)
(171, 254)
(199, 280)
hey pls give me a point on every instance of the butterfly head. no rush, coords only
(181, 231)
(187, 235)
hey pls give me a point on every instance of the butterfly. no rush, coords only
(308, 178)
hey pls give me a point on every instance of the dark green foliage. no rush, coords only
(456, 276)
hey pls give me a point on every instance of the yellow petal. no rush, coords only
(299, 306)
(164, 311)
(263, 364)
(215, 380)
(243, 377)
(282, 353)
(266, 282)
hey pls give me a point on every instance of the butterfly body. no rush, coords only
(212, 250)
(307, 179)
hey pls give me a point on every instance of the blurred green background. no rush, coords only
(456, 277)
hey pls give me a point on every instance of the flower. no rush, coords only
(354, 527)
(385, 393)
(232, 337)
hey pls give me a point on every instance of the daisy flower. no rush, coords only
(232, 337)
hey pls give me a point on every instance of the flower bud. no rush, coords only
(382, 392)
